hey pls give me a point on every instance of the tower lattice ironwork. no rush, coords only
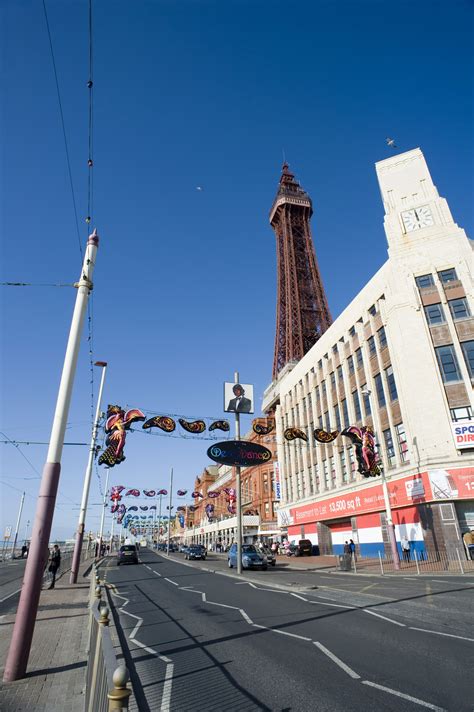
(302, 308)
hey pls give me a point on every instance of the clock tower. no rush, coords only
(414, 212)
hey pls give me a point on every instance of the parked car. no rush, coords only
(195, 552)
(304, 548)
(271, 558)
(251, 558)
(127, 554)
(183, 548)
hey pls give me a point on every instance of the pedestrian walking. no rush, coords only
(405, 544)
(353, 548)
(54, 564)
(347, 548)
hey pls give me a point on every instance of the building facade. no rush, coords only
(400, 358)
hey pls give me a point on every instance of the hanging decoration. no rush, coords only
(132, 493)
(133, 509)
(114, 508)
(231, 508)
(120, 513)
(181, 493)
(262, 429)
(214, 494)
(153, 506)
(210, 511)
(162, 491)
(196, 494)
(116, 426)
(164, 422)
(364, 444)
(149, 493)
(195, 426)
(323, 436)
(294, 433)
(220, 425)
(180, 509)
(181, 521)
(191, 508)
(144, 509)
(115, 491)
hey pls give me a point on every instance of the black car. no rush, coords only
(195, 552)
(127, 554)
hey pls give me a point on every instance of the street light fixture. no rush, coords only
(388, 509)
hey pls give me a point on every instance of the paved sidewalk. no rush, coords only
(57, 666)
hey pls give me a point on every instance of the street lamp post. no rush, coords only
(103, 511)
(388, 508)
(238, 483)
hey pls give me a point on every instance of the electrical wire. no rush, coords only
(32, 284)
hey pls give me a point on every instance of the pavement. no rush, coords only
(197, 637)
(55, 678)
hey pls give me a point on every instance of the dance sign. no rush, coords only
(239, 452)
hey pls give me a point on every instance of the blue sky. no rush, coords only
(193, 94)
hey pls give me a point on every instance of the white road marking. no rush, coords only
(245, 616)
(437, 632)
(143, 646)
(168, 684)
(404, 696)
(296, 595)
(245, 583)
(334, 605)
(372, 613)
(10, 595)
(156, 573)
(336, 660)
(147, 567)
(170, 581)
(292, 635)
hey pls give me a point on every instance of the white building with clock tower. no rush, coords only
(400, 358)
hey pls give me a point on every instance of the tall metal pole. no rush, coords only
(159, 519)
(76, 558)
(18, 524)
(169, 516)
(26, 529)
(20, 645)
(111, 542)
(388, 509)
(103, 509)
(239, 491)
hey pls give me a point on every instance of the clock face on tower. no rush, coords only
(417, 218)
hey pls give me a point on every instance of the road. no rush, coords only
(199, 640)
(11, 578)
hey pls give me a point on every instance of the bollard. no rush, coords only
(354, 562)
(416, 562)
(381, 564)
(119, 696)
(104, 615)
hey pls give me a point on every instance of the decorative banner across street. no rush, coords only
(239, 452)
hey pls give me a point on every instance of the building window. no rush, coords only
(334, 349)
(468, 351)
(379, 389)
(323, 388)
(448, 364)
(316, 477)
(337, 417)
(352, 461)
(333, 470)
(357, 411)
(320, 422)
(447, 275)
(366, 398)
(332, 377)
(434, 314)
(382, 338)
(352, 331)
(459, 308)
(342, 456)
(327, 422)
(372, 347)
(426, 280)
(359, 358)
(339, 373)
(373, 310)
(350, 364)
(464, 413)
(402, 442)
(392, 388)
(326, 474)
(390, 450)
(345, 413)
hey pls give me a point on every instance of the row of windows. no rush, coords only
(448, 363)
(445, 276)
(459, 309)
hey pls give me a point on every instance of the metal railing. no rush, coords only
(453, 561)
(106, 680)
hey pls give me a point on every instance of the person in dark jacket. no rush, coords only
(54, 564)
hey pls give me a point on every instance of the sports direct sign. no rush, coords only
(463, 434)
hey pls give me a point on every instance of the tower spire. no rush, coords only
(302, 308)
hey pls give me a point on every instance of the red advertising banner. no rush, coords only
(414, 489)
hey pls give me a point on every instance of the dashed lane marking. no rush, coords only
(404, 696)
(390, 620)
(337, 660)
(170, 581)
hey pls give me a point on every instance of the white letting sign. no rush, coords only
(463, 433)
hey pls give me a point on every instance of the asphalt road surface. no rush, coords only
(196, 640)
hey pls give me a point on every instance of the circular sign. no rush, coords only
(239, 452)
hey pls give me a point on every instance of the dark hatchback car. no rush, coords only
(195, 552)
(127, 554)
(304, 547)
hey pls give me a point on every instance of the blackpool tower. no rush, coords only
(302, 308)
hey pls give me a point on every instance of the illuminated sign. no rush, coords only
(239, 452)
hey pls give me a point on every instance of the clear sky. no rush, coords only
(186, 94)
